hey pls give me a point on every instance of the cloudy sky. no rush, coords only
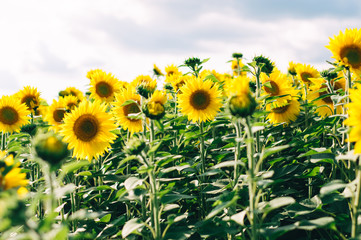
(52, 44)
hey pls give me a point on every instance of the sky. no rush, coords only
(52, 45)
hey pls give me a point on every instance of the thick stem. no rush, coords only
(154, 189)
(203, 170)
(237, 153)
(356, 203)
(251, 180)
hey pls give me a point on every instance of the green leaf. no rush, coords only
(127, 102)
(106, 218)
(269, 151)
(72, 166)
(277, 203)
(131, 226)
(332, 186)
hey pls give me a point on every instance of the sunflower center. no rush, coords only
(305, 77)
(8, 115)
(328, 99)
(281, 109)
(273, 90)
(352, 54)
(86, 127)
(200, 99)
(131, 109)
(337, 86)
(103, 89)
(30, 101)
(58, 115)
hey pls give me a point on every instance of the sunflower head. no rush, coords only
(156, 71)
(50, 148)
(30, 96)
(237, 67)
(283, 114)
(264, 64)
(144, 85)
(92, 72)
(11, 176)
(103, 86)
(70, 102)
(13, 114)
(171, 69)
(154, 108)
(241, 103)
(72, 91)
(56, 113)
(200, 100)
(88, 130)
(127, 110)
(306, 72)
(292, 68)
(346, 48)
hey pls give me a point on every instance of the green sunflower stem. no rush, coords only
(2, 141)
(356, 202)
(155, 208)
(237, 152)
(309, 181)
(252, 184)
(203, 170)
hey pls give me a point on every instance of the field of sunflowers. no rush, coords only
(255, 153)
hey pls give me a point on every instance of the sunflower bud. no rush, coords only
(242, 105)
(264, 64)
(63, 93)
(50, 148)
(145, 90)
(237, 55)
(29, 128)
(154, 110)
(134, 146)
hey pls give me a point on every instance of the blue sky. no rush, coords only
(51, 45)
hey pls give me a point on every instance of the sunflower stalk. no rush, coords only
(356, 202)
(237, 152)
(155, 210)
(203, 169)
(252, 183)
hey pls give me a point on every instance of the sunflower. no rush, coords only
(292, 68)
(103, 86)
(30, 96)
(200, 100)
(277, 84)
(325, 106)
(241, 103)
(13, 114)
(346, 49)
(154, 108)
(305, 72)
(87, 130)
(55, 114)
(157, 72)
(70, 102)
(177, 80)
(122, 113)
(171, 69)
(144, 85)
(283, 114)
(72, 91)
(13, 178)
(90, 73)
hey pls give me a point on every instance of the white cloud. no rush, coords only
(51, 45)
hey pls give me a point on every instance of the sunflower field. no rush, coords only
(189, 153)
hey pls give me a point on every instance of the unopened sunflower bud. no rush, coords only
(154, 110)
(237, 55)
(134, 146)
(29, 128)
(50, 148)
(264, 64)
(145, 90)
(242, 105)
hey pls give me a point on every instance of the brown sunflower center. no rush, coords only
(103, 89)
(281, 109)
(58, 115)
(30, 101)
(305, 77)
(8, 115)
(327, 99)
(200, 99)
(273, 89)
(131, 109)
(86, 127)
(353, 55)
